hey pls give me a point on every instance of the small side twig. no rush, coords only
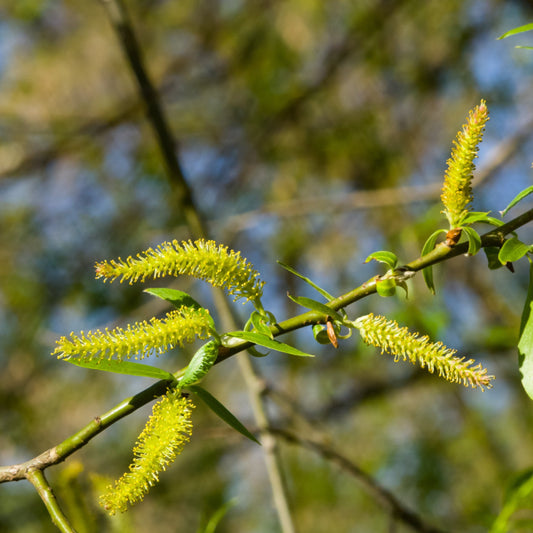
(36, 477)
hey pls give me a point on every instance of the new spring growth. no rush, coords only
(205, 260)
(140, 339)
(400, 342)
(167, 431)
(457, 189)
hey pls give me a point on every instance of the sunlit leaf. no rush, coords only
(316, 306)
(474, 240)
(267, 342)
(123, 367)
(175, 297)
(525, 343)
(515, 31)
(388, 258)
(386, 287)
(200, 364)
(513, 249)
(520, 196)
(476, 216)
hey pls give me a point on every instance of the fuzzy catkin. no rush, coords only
(435, 356)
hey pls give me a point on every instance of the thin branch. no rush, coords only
(36, 477)
(168, 145)
(78, 440)
(384, 497)
(379, 198)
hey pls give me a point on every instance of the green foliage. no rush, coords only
(221, 411)
(515, 31)
(265, 341)
(525, 342)
(200, 364)
(517, 497)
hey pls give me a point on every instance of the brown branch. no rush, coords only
(383, 496)
(148, 94)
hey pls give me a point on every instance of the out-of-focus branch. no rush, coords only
(384, 497)
(379, 198)
(168, 145)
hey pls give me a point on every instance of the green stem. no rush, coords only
(67, 447)
(36, 477)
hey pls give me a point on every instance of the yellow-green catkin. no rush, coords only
(457, 188)
(205, 260)
(167, 431)
(400, 342)
(141, 339)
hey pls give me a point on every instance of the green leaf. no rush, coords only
(259, 323)
(525, 343)
(267, 342)
(175, 297)
(221, 411)
(320, 334)
(515, 31)
(316, 306)
(512, 250)
(475, 216)
(386, 287)
(428, 247)
(517, 496)
(492, 257)
(323, 292)
(521, 195)
(124, 367)
(388, 258)
(474, 240)
(200, 364)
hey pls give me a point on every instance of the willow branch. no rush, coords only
(78, 440)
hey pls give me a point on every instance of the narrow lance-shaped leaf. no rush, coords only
(124, 367)
(429, 245)
(323, 292)
(175, 297)
(316, 306)
(515, 31)
(221, 411)
(263, 340)
(520, 196)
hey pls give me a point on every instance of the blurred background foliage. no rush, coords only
(310, 132)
